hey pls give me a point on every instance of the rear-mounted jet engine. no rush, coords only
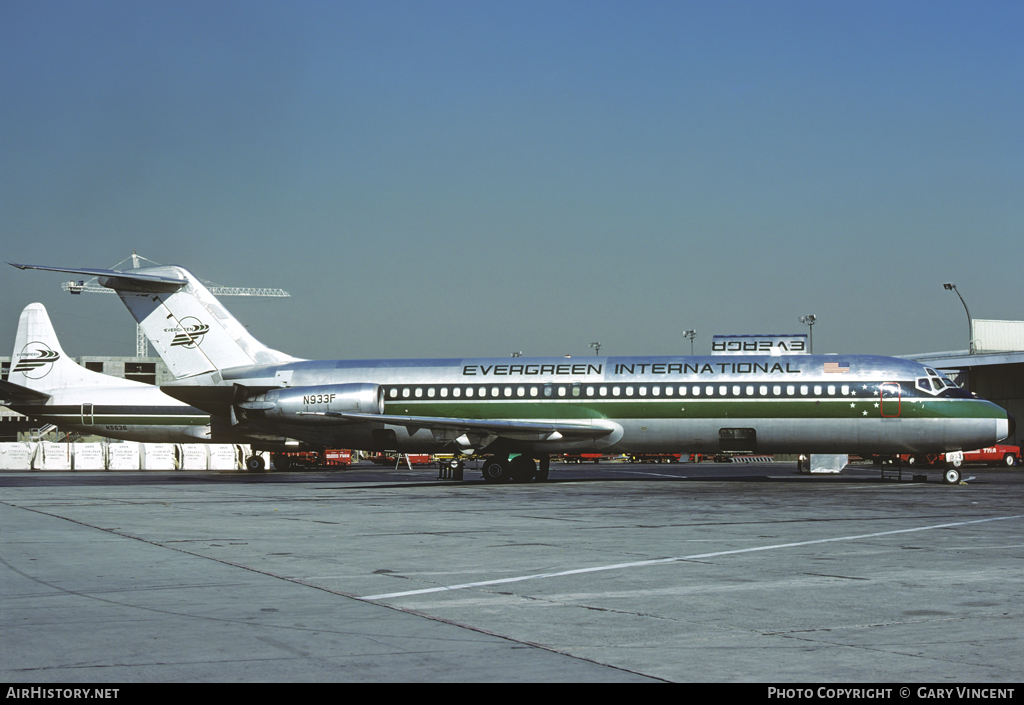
(314, 406)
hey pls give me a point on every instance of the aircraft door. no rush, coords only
(891, 403)
(87, 415)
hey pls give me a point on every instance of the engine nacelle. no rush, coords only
(314, 406)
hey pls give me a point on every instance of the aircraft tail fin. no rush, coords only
(187, 325)
(40, 364)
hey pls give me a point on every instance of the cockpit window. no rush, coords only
(937, 383)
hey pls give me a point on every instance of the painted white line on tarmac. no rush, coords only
(660, 561)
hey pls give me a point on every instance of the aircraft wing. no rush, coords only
(16, 394)
(539, 430)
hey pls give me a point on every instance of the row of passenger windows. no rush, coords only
(603, 391)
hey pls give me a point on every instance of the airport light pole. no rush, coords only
(690, 335)
(597, 348)
(948, 286)
(809, 320)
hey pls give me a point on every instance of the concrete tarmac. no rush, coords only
(617, 573)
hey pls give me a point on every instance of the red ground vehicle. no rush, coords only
(998, 455)
(393, 459)
(655, 457)
(330, 458)
(581, 457)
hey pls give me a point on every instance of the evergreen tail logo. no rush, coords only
(191, 333)
(36, 360)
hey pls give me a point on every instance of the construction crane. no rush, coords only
(141, 341)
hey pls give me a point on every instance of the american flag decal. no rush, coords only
(837, 367)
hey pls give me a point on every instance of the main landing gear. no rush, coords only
(500, 468)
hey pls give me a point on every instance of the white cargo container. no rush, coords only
(158, 456)
(195, 456)
(52, 456)
(998, 336)
(88, 456)
(123, 456)
(16, 456)
(224, 457)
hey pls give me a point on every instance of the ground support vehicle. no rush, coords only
(655, 457)
(580, 457)
(334, 458)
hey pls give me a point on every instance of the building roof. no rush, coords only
(961, 359)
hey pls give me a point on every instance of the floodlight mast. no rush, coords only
(690, 335)
(141, 342)
(809, 320)
(949, 286)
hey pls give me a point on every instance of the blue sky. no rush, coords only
(469, 178)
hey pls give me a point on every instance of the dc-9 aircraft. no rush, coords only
(519, 411)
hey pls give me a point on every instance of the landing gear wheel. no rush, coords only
(522, 468)
(951, 476)
(255, 463)
(496, 470)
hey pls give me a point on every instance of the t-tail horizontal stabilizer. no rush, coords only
(186, 324)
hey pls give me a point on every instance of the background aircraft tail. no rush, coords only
(39, 363)
(187, 325)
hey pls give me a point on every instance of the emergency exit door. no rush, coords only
(890, 400)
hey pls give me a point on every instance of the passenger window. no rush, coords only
(777, 390)
(845, 389)
(430, 392)
(575, 390)
(456, 392)
(406, 393)
(642, 391)
(393, 393)
(629, 391)
(803, 389)
(790, 390)
(561, 391)
(831, 390)
(696, 391)
(682, 391)
(817, 390)
(521, 391)
(655, 391)
(604, 391)
(534, 391)
(469, 391)
(615, 391)
(547, 390)
(590, 391)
